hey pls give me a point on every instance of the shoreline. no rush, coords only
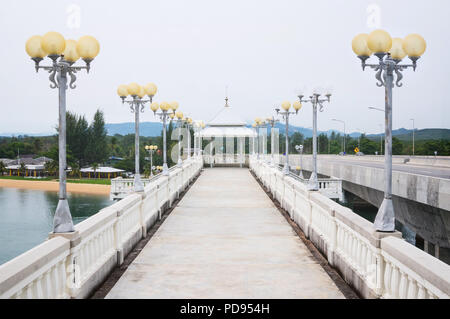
(93, 189)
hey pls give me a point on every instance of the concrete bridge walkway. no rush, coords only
(225, 239)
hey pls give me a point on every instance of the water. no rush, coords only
(26, 217)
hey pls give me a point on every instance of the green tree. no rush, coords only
(2, 167)
(97, 146)
(397, 146)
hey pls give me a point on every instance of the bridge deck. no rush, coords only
(225, 239)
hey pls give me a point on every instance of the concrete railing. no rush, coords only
(73, 265)
(122, 187)
(330, 187)
(377, 265)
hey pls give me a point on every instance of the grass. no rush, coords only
(90, 181)
(23, 178)
(77, 181)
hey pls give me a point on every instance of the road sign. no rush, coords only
(356, 150)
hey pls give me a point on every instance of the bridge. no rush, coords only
(421, 190)
(227, 237)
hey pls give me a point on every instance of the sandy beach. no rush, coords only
(54, 186)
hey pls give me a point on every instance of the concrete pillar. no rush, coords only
(425, 246)
(436, 251)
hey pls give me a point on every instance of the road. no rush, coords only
(427, 170)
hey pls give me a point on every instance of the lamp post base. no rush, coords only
(138, 186)
(165, 170)
(62, 222)
(301, 174)
(385, 219)
(313, 184)
(286, 169)
(180, 162)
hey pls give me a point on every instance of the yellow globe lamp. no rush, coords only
(154, 106)
(70, 52)
(134, 89)
(150, 89)
(174, 105)
(286, 105)
(53, 43)
(34, 48)
(254, 125)
(146, 147)
(297, 168)
(414, 45)
(359, 45)
(379, 41)
(179, 115)
(88, 47)
(122, 90)
(172, 116)
(397, 52)
(164, 106)
(297, 105)
(155, 147)
(141, 93)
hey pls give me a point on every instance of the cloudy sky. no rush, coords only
(262, 50)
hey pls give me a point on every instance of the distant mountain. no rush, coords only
(145, 128)
(426, 134)
(25, 134)
(149, 129)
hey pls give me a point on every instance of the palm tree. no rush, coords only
(51, 167)
(147, 171)
(95, 167)
(22, 168)
(2, 167)
(76, 170)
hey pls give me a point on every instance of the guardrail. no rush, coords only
(330, 187)
(377, 265)
(72, 265)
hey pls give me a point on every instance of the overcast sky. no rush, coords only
(262, 50)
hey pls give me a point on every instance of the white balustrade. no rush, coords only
(378, 265)
(73, 265)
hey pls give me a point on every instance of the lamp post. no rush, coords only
(390, 52)
(413, 133)
(63, 54)
(151, 149)
(167, 111)
(315, 100)
(180, 121)
(336, 120)
(259, 123)
(188, 127)
(198, 126)
(286, 105)
(137, 104)
(272, 121)
(254, 128)
(299, 149)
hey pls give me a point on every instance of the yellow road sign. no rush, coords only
(356, 150)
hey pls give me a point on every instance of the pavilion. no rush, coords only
(101, 172)
(226, 125)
